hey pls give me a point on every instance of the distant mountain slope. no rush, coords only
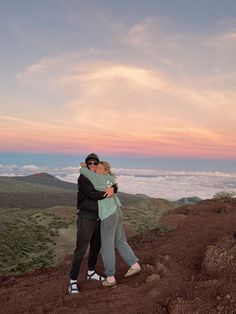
(48, 180)
(36, 192)
(33, 183)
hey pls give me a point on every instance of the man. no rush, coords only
(88, 225)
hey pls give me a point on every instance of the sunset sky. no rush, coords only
(133, 78)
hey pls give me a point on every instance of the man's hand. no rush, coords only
(109, 192)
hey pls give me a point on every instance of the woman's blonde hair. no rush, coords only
(107, 166)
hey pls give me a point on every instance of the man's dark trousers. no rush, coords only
(88, 232)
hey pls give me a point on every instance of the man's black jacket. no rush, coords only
(88, 197)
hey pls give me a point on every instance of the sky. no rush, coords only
(137, 79)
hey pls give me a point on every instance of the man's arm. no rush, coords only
(85, 186)
(115, 187)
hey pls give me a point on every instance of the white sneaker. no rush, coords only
(94, 276)
(73, 289)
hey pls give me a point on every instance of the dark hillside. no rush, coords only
(45, 199)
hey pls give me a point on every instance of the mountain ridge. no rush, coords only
(45, 178)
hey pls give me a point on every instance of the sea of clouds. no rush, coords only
(171, 185)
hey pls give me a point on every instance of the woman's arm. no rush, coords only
(84, 170)
(96, 179)
(87, 173)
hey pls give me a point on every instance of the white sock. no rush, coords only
(95, 276)
(73, 287)
(73, 284)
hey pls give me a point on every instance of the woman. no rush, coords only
(112, 230)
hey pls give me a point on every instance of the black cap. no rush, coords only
(91, 156)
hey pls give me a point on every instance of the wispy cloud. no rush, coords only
(143, 85)
(122, 102)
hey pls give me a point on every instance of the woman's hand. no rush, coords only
(109, 192)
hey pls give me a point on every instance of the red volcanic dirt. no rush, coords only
(188, 270)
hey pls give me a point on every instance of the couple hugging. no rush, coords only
(99, 224)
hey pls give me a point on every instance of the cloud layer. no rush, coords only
(171, 185)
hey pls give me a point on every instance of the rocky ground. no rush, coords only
(191, 269)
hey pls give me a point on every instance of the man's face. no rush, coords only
(92, 165)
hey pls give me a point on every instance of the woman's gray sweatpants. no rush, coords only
(113, 235)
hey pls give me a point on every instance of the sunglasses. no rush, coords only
(90, 163)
